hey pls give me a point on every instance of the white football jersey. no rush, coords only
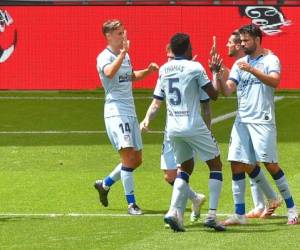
(255, 99)
(180, 82)
(118, 91)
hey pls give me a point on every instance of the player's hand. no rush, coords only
(215, 64)
(126, 43)
(194, 58)
(153, 67)
(213, 49)
(244, 66)
(144, 126)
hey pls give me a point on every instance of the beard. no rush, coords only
(249, 51)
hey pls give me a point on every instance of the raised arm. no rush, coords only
(111, 69)
(220, 76)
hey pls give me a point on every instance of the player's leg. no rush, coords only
(258, 200)
(239, 155)
(115, 136)
(103, 186)
(283, 187)
(184, 156)
(169, 166)
(131, 158)
(205, 144)
(264, 141)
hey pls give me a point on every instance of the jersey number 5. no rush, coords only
(174, 90)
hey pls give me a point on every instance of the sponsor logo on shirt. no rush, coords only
(125, 78)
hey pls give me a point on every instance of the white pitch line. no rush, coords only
(102, 98)
(214, 121)
(51, 132)
(53, 215)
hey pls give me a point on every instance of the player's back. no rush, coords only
(181, 81)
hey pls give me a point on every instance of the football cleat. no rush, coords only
(133, 209)
(212, 223)
(271, 206)
(102, 192)
(197, 203)
(292, 216)
(235, 219)
(254, 213)
(175, 220)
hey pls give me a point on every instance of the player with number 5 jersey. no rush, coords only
(181, 82)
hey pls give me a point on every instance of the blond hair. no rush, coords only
(111, 25)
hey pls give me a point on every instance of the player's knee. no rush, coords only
(215, 164)
(138, 162)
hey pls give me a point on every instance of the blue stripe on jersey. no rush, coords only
(203, 87)
(158, 97)
(206, 100)
(104, 67)
(234, 80)
(111, 51)
(180, 58)
(274, 71)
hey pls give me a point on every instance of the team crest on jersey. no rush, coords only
(8, 36)
(260, 66)
(270, 19)
(127, 138)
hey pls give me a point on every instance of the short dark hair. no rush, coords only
(180, 42)
(251, 29)
(111, 25)
(237, 37)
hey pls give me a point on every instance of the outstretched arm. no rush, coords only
(151, 113)
(141, 74)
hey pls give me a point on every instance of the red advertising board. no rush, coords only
(57, 46)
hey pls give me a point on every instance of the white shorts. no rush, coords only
(204, 144)
(167, 158)
(250, 143)
(124, 132)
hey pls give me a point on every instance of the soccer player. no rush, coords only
(260, 210)
(167, 160)
(116, 74)
(181, 82)
(253, 137)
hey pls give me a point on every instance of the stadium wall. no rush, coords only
(56, 46)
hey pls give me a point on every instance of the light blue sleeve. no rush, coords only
(273, 64)
(202, 76)
(103, 60)
(204, 97)
(159, 92)
(234, 74)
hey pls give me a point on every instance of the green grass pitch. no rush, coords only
(43, 173)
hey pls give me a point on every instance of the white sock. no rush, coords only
(257, 195)
(128, 184)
